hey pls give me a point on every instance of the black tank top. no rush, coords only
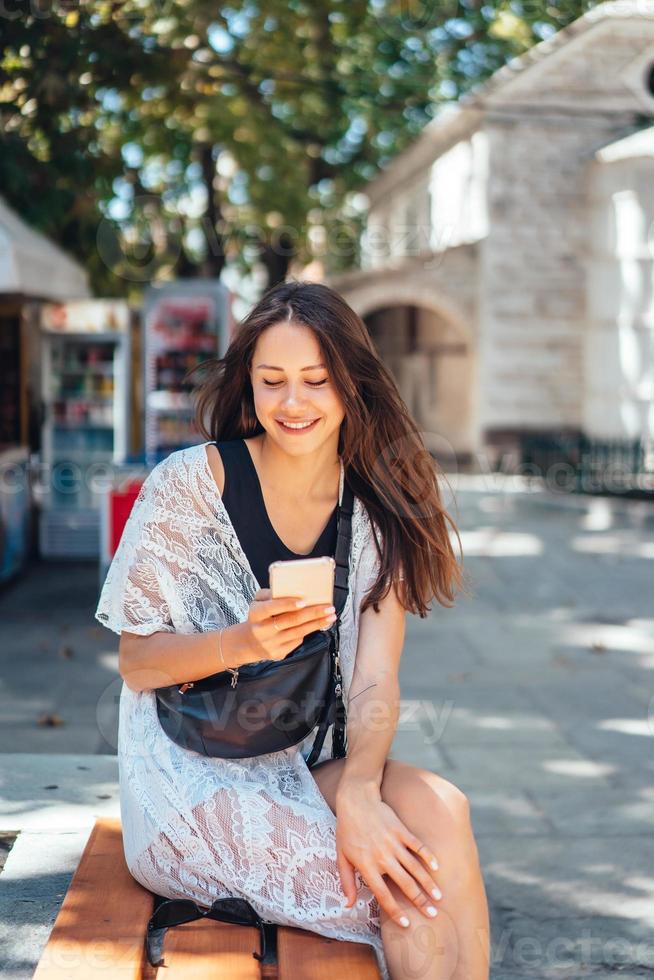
(243, 500)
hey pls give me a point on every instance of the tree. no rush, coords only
(159, 139)
(57, 165)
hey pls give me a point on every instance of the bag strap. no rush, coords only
(342, 558)
(343, 541)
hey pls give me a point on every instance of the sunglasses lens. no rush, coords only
(174, 913)
(235, 908)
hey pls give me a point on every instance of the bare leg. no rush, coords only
(456, 944)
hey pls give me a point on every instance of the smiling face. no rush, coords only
(294, 386)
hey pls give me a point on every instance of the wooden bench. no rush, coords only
(100, 933)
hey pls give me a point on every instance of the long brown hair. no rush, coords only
(386, 462)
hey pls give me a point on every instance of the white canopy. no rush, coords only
(31, 265)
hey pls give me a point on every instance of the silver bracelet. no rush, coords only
(233, 670)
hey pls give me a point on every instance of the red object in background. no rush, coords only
(120, 507)
(116, 506)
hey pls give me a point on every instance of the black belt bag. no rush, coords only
(273, 704)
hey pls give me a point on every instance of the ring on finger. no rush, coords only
(278, 628)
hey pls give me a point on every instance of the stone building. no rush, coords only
(507, 270)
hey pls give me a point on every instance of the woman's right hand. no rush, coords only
(274, 627)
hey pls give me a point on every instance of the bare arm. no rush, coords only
(370, 836)
(273, 629)
(373, 708)
(147, 662)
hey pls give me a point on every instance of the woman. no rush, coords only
(361, 848)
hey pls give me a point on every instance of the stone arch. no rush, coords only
(396, 292)
(428, 342)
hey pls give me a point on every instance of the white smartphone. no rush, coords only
(311, 579)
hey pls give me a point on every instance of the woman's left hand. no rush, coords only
(371, 838)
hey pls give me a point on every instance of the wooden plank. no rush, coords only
(304, 955)
(210, 950)
(101, 924)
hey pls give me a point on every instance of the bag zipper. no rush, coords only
(184, 688)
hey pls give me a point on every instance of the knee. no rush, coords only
(449, 796)
(426, 797)
(438, 813)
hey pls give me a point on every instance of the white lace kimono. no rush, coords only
(200, 827)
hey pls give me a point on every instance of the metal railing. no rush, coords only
(580, 464)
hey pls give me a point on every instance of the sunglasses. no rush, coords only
(176, 911)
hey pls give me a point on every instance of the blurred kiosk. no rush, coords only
(32, 269)
(85, 390)
(184, 323)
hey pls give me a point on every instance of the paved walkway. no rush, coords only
(535, 696)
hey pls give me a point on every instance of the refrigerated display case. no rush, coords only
(184, 324)
(85, 390)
